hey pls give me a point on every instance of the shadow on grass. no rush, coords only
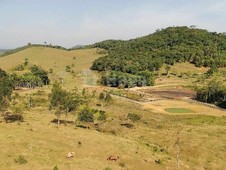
(10, 118)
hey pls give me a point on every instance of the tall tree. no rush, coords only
(64, 101)
(6, 88)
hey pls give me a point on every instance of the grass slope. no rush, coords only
(150, 145)
(55, 59)
(178, 110)
(50, 58)
(44, 145)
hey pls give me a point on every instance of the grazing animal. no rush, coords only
(145, 160)
(70, 155)
(112, 158)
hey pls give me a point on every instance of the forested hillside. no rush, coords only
(170, 45)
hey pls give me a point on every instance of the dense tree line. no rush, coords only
(6, 89)
(125, 80)
(214, 93)
(170, 45)
(40, 73)
(27, 80)
(35, 78)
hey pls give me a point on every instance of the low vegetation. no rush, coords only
(21, 160)
(6, 88)
(178, 110)
(214, 92)
(134, 117)
(86, 115)
(127, 94)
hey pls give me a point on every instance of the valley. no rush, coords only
(149, 142)
(112, 85)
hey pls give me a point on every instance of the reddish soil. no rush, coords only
(171, 93)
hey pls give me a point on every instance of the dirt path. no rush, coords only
(89, 77)
(158, 98)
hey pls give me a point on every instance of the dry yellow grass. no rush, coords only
(159, 106)
(44, 145)
(48, 58)
(188, 67)
(55, 59)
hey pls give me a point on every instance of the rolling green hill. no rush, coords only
(170, 45)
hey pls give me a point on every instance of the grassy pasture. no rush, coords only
(50, 58)
(188, 67)
(55, 59)
(45, 145)
(149, 145)
(160, 106)
(178, 110)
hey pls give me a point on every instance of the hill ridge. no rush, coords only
(169, 46)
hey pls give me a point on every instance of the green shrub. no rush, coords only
(55, 168)
(84, 92)
(105, 96)
(108, 168)
(19, 68)
(122, 164)
(102, 96)
(108, 97)
(40, 73)
(26, 62)
(134, 117)
(158, 161)
(102, 116)
(86, 115)
(21, 160)
(68, 68)
(40, 93)
(94, 93)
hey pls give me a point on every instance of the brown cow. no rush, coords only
(112, 158)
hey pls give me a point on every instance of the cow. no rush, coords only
(112, 158)
(145, 160)
(70, 155)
